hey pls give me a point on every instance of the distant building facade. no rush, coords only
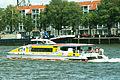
(89, 5)
(34, 11)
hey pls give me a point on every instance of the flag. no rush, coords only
(46, 34)
(84, 35)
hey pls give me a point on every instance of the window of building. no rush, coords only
(100, 32)
(23, 11)
(34, 16)
(105, 32)
(33, 10)
(37, 10)
(85, 8)
(34, 21)
(41, 49)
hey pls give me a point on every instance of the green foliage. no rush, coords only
(28, 23)
(62, 13)
(108, 13)
(11, 17)
(42, 21)
(2, 21)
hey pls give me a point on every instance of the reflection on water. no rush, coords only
(59, 70)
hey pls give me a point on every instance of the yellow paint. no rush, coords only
(27, 49)
(16, 50)
(42, 46)
(55, 49)
(59, 54)
(73, 54)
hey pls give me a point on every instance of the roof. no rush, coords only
(92, 3)
(75, 45)
(31, 7)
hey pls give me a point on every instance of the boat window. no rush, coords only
(40, 42)
(66, 48)
(37, 42)
(54, 46)
(20, 49)
(48, 42)
(41, 49)
(72, 48)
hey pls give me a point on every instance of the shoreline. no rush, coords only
(83, 40)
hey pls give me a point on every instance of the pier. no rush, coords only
(87, 40)
(98, 40)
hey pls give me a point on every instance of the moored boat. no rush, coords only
(79, 52)
(41, 41)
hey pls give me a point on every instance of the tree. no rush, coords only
(108, 13)
(28, 23)
(11, 17)
(90, 20)
(72, 15)
(62, 13)
(2, 20)
(42, 22)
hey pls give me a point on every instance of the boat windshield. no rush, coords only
(37, 42)
(77, 49)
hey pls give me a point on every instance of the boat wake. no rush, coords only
(105, 60)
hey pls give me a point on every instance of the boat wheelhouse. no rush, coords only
(41, 41)
(80, 52)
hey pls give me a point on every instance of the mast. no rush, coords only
(23, 3)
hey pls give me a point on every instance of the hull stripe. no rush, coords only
(36, 58)
(41, 59)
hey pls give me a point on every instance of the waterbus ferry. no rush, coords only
(79, 52)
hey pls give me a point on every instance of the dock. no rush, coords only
(98, 40)
(86, 40)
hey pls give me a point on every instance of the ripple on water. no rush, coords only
(58, 70)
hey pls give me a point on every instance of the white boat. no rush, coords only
(79, 52)
(42, 41)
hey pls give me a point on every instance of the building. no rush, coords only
(89, 5)
(34, 11)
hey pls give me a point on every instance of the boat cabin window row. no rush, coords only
(20, 49)
(41, 50)
(80, 49)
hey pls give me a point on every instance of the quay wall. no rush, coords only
(102, 40)
(14, 42)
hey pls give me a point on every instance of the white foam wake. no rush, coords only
(106, 60)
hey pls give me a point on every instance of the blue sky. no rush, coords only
(4, 3)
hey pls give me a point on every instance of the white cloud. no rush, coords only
(39, 2)
(5, 3)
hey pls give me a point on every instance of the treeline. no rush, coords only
(11, 17)
(62, 13)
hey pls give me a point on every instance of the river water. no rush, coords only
(60, 70)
